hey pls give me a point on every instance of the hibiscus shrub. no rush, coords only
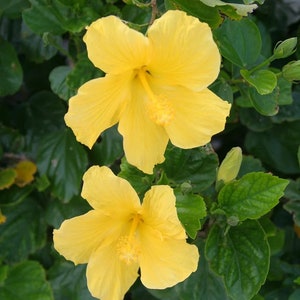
(149, 149)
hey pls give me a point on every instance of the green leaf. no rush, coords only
(34, 47)
(241, 9)
(223, 90)
(289, 113)
(26, 280)
(83, 71)
(44, 114)
(276, 147)
(12, 8)
(3, 273)
(198, 165)
(254, 120)
(56, 17)
(295, 295)
(11, 76)
(14, 195)
(140, 181)
(23, 232)
(239, 41)
(264, 81)
(64, 161)
(252, 196)
(109, 149)
(7, 178)
(58, 82)
(44, 17)
(266, 105)
(57, 211)
(241, 256)
(250, 164)
(69, 281)
(284, 91)
(203, 284)
(293, 207)
(190, 209)
(197, 9)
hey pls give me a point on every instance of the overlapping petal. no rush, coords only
(165, 262)
(107, 276)
(78, 237)
(144, 141)
(198, 116)
(114, 47)
(110, 194)
(159, 212)
(184, 52)
(97, 106)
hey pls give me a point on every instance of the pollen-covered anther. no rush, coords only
(160, 111)
(128, 250)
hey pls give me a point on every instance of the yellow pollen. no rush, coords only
(159, 108)
(127, 247)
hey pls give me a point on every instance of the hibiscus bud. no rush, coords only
(285, 48)
(291, 71)
(230, 166)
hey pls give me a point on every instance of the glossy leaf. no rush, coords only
(35, 47)
(252, 196)
(140, 181)
(264, 81)
(24, 231)
(11, 75)
(69, 281)
(241, 9)
(198, 165)
(109, 149)
(277, 147)
(196, 8)
(241, 256)
(59, 86)
(190, 209)
(64, 161)
(239, 41)
(267, 105)
(26, 280)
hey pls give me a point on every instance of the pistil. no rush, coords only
(159, 108)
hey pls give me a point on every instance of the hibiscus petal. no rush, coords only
(78, 237)
(165, 262)
(159, 212)
(107, 276)
(197, 117)
(113, 195)
(96, 107)
(114, 47)
(184, 52)
(144, 141)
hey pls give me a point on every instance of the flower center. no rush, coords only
(159, 108)
(127, 247)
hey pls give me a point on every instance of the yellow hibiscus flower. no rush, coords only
(120, 235)
(155, 87)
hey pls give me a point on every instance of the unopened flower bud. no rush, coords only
(285, 48)
(291, 71)
(230, 166)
